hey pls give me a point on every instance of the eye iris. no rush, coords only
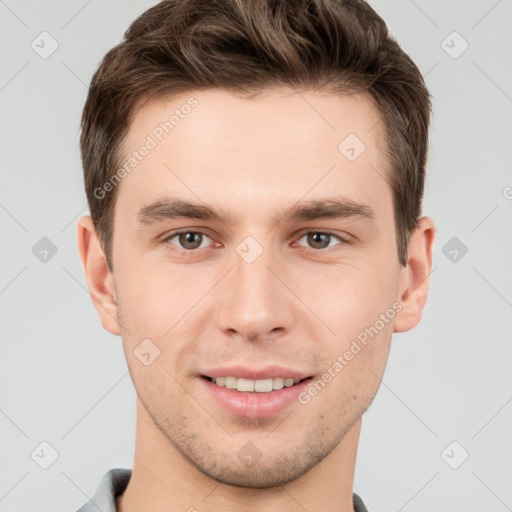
(187, 239)
(313, 240)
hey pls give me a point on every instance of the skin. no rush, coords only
(206, 307)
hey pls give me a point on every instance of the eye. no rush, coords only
(193, 240)
(319, 240)
(188, 240)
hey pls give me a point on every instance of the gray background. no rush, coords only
(64, 379)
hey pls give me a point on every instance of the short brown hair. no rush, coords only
(243, 46)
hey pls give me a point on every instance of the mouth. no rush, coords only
(254, 386)
(254, 398)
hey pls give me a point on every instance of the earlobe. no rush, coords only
(99, 279)
(414, 281)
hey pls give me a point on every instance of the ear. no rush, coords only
(100, 280)
(414, 280)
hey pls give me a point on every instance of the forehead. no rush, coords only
(279, 146)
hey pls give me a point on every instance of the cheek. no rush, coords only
(160, 316)
(358, 307)
(352, 298)
(153, 301)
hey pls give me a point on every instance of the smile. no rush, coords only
(254, 386)
(258, 398)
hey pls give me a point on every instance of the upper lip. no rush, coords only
(254, 373)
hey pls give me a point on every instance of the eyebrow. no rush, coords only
(329, 208)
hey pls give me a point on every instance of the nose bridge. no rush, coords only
(254, 301)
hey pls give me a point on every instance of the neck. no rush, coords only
(164, 480)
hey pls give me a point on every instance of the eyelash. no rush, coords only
(343, 241)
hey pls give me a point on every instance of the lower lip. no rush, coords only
(254, 404)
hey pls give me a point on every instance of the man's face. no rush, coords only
(257, 288)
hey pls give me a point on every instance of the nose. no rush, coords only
(253, 300)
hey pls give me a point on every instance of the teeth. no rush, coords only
(263, 386)
(229, 382)
(259, 386)
(278, 383)
(245, 385)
